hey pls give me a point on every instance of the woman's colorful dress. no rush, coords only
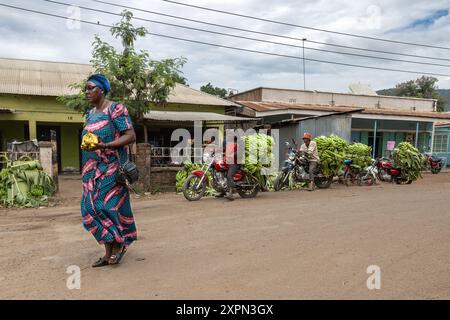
(105, 205)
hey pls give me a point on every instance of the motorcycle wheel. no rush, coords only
(435, 170)
(249, 193)
(189, 190)
(349, 178)
(401, 181)
(367, 181)
(323, 183)
(278, 183)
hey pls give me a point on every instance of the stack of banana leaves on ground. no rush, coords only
(409, 160)
(24, 184)
(360, 154)
(332, 152)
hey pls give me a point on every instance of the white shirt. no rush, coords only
(311, 151)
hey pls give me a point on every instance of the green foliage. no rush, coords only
(360, 154)
(215, 91)
(136, 80)
(409, 160)
(445, 94)
(332, 153)
(258, 153)
(23, 184)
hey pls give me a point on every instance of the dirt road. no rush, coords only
(286, 245)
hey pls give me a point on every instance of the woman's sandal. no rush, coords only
(100, 263)
(116, 257)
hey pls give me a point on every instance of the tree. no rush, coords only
(216, 91)
(423, 87)
(136, 80)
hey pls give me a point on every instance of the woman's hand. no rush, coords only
(100, 145)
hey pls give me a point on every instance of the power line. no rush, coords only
(266, 33)
(306, 27)
(229, 47)
(252, 39)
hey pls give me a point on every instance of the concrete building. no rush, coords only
(375, 120)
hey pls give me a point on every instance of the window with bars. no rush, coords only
(440, 143)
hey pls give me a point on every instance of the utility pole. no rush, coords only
(304, 76)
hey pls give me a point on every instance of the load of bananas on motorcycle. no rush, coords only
(333, 150)
(409, 159)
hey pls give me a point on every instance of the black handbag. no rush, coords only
(128, 172)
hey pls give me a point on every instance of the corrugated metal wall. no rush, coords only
(339, 125)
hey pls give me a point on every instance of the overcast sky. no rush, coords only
(26, 35)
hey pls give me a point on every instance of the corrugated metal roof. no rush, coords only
(271, 106)
(185, 94)
(192, 116)
(44, 78)
(40, 78)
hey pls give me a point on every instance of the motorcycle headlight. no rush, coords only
(207, 158)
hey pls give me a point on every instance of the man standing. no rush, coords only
(309, 149)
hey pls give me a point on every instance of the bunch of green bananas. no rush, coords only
(409, 159)
(258, 152)
(331, 151)
(360, 154)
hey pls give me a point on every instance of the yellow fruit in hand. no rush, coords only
(89, 141)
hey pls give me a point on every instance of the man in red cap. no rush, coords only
(309, 148)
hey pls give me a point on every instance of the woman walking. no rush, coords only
(105, 204)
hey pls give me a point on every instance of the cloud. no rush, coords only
(32, 36)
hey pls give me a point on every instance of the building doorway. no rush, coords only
(378, 141)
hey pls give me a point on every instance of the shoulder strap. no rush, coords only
(112, 106)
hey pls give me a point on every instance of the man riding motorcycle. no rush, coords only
(309, 149)
(231, 159)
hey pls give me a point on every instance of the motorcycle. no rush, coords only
(387, 171)
(297, 166)
(194, 188)
(433, 163)
(350, 174)
(368, 176)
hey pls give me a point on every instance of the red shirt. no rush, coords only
(231, 153)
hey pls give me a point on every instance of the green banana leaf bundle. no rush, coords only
(332, 152)
(409, 160)
(360, 154)
(258, 153)
(24, 184)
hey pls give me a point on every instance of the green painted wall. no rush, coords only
(70, 150)
(37, 108)
(399, 137)
(365, 137)
(10, 131)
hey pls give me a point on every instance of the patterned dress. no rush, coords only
(105, 205)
